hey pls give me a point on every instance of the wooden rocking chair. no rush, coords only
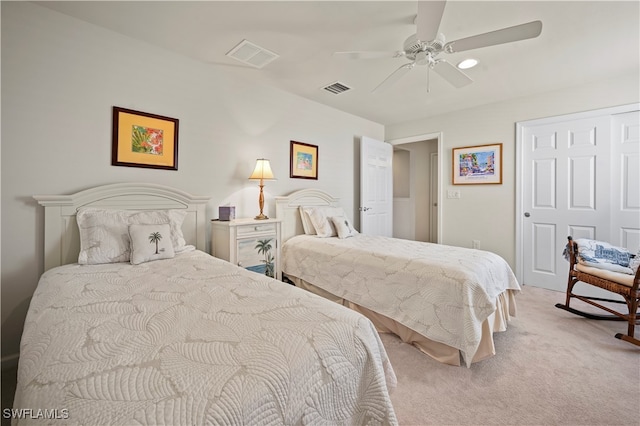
(625, 285)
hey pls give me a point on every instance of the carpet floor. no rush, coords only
(550, 368)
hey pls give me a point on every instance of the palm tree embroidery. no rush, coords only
(155, 237)
(264, 247)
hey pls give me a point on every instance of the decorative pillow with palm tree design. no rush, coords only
(150, 242)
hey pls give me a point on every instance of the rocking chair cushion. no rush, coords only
(620, 278)
(602, 255)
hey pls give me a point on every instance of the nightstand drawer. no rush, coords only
(253, 228)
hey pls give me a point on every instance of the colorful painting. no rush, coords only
(141, 139)
(146, 140)
(304, 160)
(477, 164)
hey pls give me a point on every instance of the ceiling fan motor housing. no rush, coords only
(413, 46)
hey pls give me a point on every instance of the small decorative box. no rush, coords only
(226, 212)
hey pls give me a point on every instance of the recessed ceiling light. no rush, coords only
(467, 63)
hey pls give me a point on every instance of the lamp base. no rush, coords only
(261, 217)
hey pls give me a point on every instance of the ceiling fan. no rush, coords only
(425, 46)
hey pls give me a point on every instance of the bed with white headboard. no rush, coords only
(184, 337)
(288, 209)
(61, 235)
(448, 301)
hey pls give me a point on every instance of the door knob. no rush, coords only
(527, 214)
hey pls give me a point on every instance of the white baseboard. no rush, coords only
(9, 361)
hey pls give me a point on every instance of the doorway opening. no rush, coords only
(417, 166)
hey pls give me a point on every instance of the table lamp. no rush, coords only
(262, 172)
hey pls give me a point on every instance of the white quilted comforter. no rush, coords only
(439, 291)
(194, 340)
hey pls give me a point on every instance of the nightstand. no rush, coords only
(249, 243)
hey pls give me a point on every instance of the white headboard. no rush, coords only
(61, 235)
(287, 209)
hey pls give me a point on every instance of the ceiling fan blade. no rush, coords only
(452, 74)
(428, 20)
(370, 55)
(395, 76)
(505, 35)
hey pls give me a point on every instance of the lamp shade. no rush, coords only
(262, 170)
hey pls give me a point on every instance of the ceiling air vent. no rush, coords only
(252, 54)
(337, 88)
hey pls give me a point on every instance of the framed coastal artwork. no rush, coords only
(141, 139)
(475, 165)
(303, 161)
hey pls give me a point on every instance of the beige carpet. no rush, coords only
(551, 368)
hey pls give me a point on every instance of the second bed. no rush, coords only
(447, 301)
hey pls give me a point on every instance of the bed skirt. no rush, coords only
(497, 321)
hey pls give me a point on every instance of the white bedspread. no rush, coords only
(439, 291)
(194, 340)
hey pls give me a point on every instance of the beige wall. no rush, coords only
(487, 212)
(401, 173)
(60, 79)
(403, 201)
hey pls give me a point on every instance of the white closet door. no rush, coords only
(625, 193)
(566, 190)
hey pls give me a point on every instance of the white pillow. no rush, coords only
(306, 222)
(320, 219)
(104, 233)
(344, 228)
(150, 242)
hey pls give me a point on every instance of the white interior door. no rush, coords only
(581, 177)
(625, 155)
(566, 192)
(376, 187)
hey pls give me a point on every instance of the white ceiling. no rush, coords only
(581, 42)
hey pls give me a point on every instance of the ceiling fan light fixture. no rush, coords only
(467, 63)
(422, 58)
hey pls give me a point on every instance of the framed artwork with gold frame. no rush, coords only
(476, 165)
(141, 139)
(303, 161)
